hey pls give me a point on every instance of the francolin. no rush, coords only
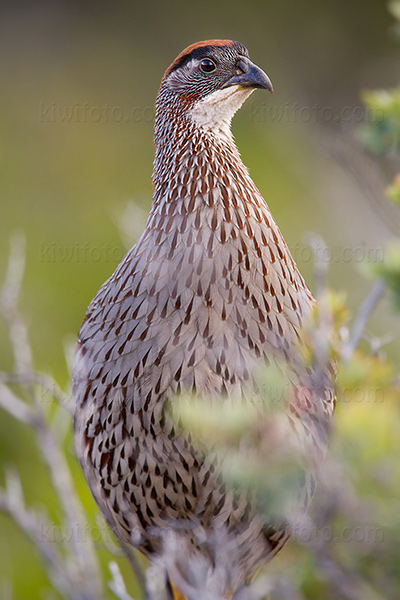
(209, 290)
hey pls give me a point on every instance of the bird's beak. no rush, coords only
(251, 76)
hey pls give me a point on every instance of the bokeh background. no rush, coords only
(76, 108)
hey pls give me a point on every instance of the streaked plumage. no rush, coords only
(208, 291)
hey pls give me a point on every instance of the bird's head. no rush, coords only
(210, 80)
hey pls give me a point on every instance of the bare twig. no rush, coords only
(8, 305)
(16, 407)
(136, 568)
(117, 584)
(35, 527)
(318, 248)
(83, 551)
(81, 565)
(6, 590)
(47, 384)
(362, 317)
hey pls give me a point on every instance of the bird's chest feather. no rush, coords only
(207, 291)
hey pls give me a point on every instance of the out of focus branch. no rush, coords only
(361, 319)
(77, 574)
(117, 584)
(9, 296)
(34, 526)
(72, 564)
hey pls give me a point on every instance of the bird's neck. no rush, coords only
(191, 159)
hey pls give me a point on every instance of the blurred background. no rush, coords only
(79, 82)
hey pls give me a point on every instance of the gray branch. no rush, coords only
(362, 317)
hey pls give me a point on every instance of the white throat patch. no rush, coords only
(214, 112)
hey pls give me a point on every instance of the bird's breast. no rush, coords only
(208, 291)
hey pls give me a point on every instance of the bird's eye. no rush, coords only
(207, 65)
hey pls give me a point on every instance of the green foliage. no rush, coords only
(393, 191)
(394, 8)
(382, 134)
(247, 436)
(363, 374)
(389, 270)
(349, 539)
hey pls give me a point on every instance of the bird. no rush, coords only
(208, 292)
